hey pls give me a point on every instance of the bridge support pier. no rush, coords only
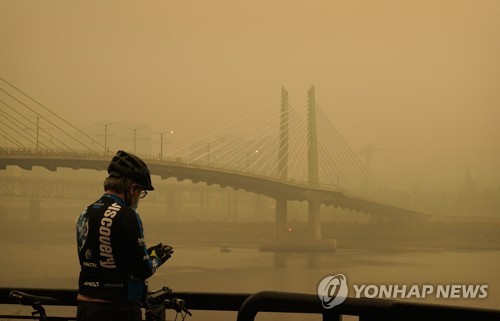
(172, 205)
(281, 219)
(232, 204)
(204, 199)
(289, 241)
(258, 208)
(314, 220)
(312, 240)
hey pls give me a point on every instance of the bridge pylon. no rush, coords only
(312, 164)
(282, 237)
(281, 203)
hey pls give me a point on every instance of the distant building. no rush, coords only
(468, 196)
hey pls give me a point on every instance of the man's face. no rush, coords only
(137, 193)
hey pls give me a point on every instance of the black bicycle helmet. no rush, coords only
(130, 166)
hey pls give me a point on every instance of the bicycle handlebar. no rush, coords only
(179, 305)
(159, 300)
(155, 304)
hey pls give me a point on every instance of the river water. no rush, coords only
(245, 269)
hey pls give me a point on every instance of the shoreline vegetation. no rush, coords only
(379, 236)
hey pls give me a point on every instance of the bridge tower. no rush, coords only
(313, 238)
(312, 164)
(281, 202)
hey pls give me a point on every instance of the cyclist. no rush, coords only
(114, 259)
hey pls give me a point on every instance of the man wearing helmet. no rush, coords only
(114, 259)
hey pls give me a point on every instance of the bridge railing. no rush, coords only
(248, 306)
(227, 168)
(165, 160)
(51, 152)
(365, 309)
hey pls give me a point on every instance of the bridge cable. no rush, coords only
(12, 139)
(336, 157)
(15, 130)
(41, 129)
(15, 121)
(362, 172)
(20, 125)
(249, 143)
(348, 167)
(47, 109)
(228, 148)
(220, 133)
(299, 142)
(50, 122)
(353, 163)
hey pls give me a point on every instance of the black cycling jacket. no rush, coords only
(113, 256)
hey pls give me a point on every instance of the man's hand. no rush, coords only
(161, 252)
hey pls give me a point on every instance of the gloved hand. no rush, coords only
(161, 252)
(150, 249)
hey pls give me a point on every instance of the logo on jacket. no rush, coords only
(106, 251)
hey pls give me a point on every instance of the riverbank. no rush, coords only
(436, 235)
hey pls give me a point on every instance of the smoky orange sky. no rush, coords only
(418, 79)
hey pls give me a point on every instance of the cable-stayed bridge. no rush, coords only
(287, 152)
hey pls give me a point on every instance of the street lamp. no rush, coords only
(248, 159)
(38, 129)
(135, 135)
(215, 148)
(208, 150)
(106, 149)
(161, 142)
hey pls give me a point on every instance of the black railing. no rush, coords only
(365, 309)
(249, 305)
